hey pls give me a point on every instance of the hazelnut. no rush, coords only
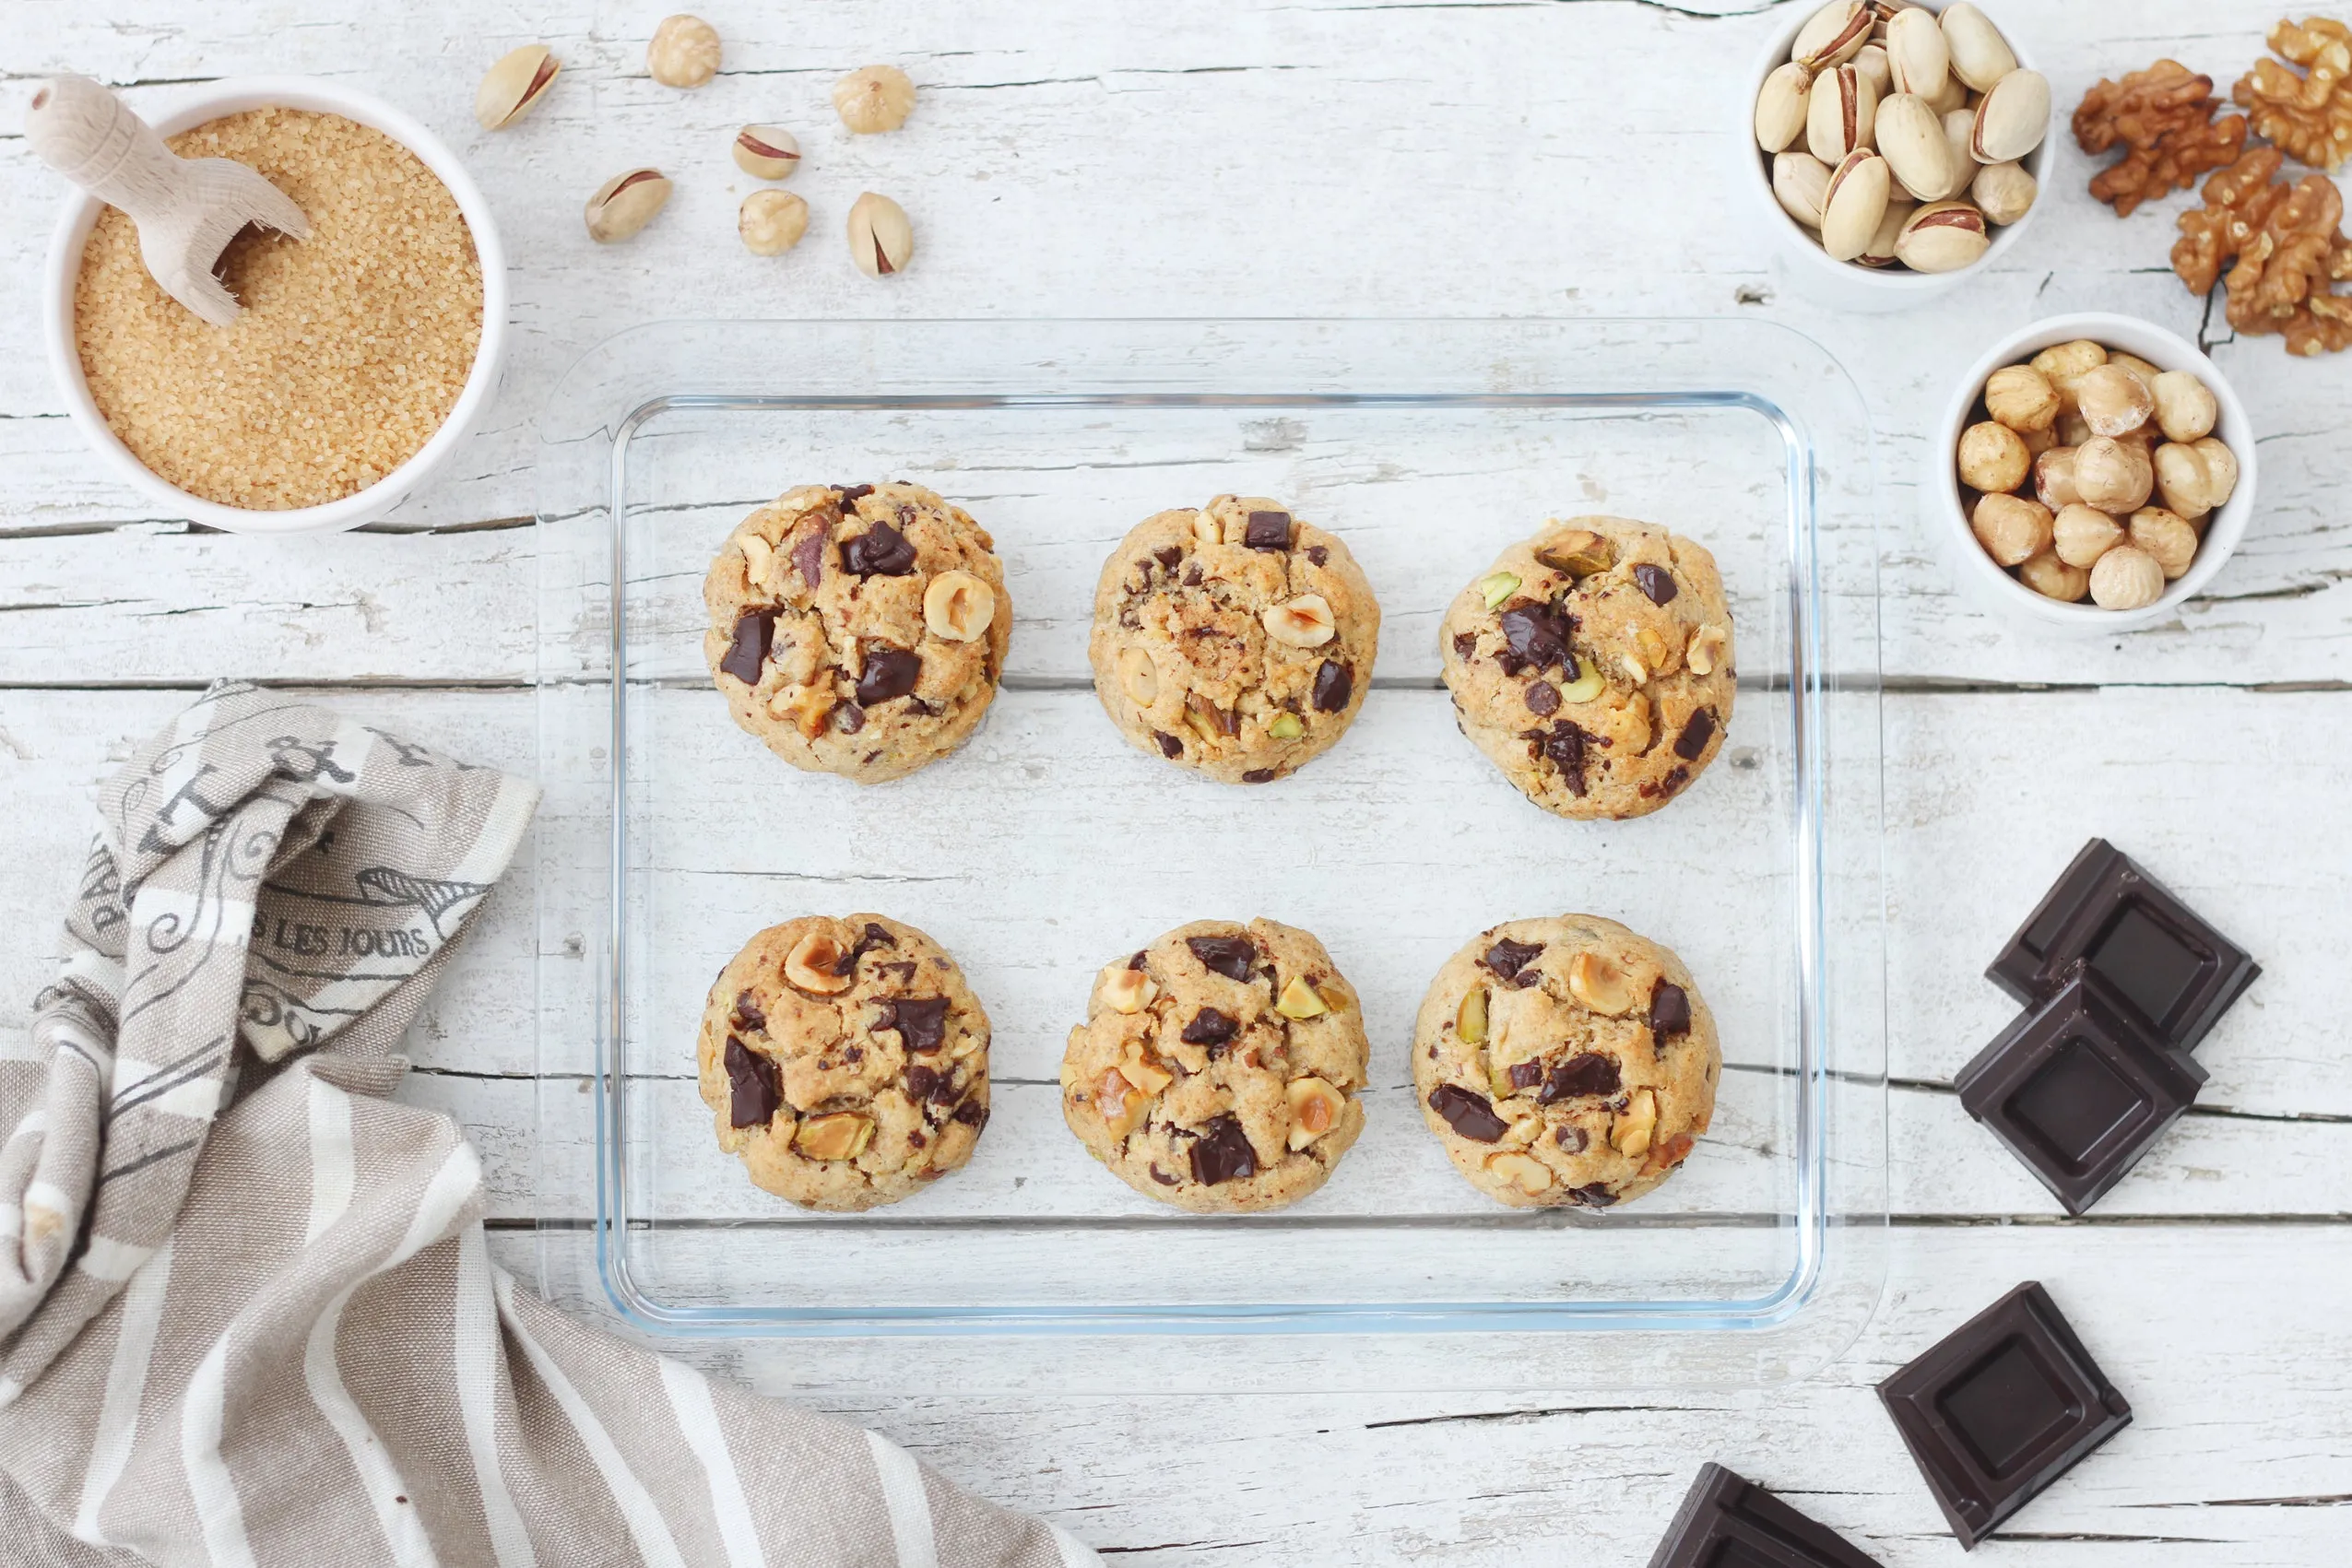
(1138, 677)
(1710, 646)
(2114, 475)
(519, 80)
(1315, 1108)
(2012, 529)
(2113, 401)
(1121, 1105)
(2167, 537)
(1300, 1000)
(809, 707)
(626, 203)
(2054, 478)
(2198, 476)
(758, 556)
(2082, 533)
(1140, 1069)
(1303, 622)
(1992, 458)
(1523, 1172)
(841, 1135)
(2065, 361)
(814, 964)
(767, 152)
(877, 98)
(1600, 984)
(1469, 1019)
(2072, 429)
(2126, 578)
(882, 241)
(772, 222)
(2185, 407)
(1206, 529)
(1630, 1133)
(1126, 990)
(958, 606)
(2053, 579)
(684, 51)
(2022, 398)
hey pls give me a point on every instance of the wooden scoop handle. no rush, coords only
(91, 137)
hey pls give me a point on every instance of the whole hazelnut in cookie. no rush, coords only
(1594, 664)
(1233, 639)
(1565, 1061)
(858, 631)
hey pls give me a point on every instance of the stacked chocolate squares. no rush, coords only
(2121, 982)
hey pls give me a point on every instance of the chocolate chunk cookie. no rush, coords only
(1235, 639)
(846, 1060)
(1592, 663)
(857, 631)
(1218, 1069)
(1565, 1061)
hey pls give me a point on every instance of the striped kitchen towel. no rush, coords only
(247, 1315)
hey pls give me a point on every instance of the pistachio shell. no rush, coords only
(1880, 252)
(626, 203)
(1911, 140)
(1835, 34)
(1839, 115)
(1916, 56)
(1802, 182)
(2004, 191)
(2013, 118)
(1942, 237)
(1781, 107)
(519, 80)
(1859, 192)
(1980, 56)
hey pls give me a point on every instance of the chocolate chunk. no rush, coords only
(944, 1091)
(1258, 775)
(920, 1021)
(749, 651)
(1228, 956)
(1539, 634)
(1526, 1075)
(1268, 531)
(1469, 1114)
(2000, 1407)
(747, 1013)
(922, 1081)
(809, 558)
(752, 1092)
(1575, 1140)
(1669, 1011)
(1163, 1178)
(1695, 735)
(849, 718)
(853, 1053)
(868, 941)
(2079, 1087)
(2161, 955)
(1507, 958)
(1465, 644)
(1594, 1194)
(1567, 747)
(1584, 1073)
(881, 551)
(1209, 1027)
(1676, 777)
(1169, 556)
(854, 494)
(1222, 1153)
(1169, 745)
(1137, 961)
(1318, 554)
(972, 1113)
(1192, 575)
(1543, 699)
(1728, 1522)
(1656, 581)
(914, 1138)
(1334, 684)
(890, 672)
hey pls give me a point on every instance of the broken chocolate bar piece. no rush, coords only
(1728, 1521)
(2158, 951)
(2079, 1087)
(2004, 1406)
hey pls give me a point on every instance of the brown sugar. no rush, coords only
(353, 344)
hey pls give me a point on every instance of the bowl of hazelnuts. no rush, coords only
(2090, 474)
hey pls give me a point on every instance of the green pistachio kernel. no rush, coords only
(1498, 587)
(1287, 727)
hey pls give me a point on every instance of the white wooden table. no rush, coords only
(1321, 157)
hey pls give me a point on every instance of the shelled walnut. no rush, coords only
(2163, 117)
(2284, 250)
(2309, 114)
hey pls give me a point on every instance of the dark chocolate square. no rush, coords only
(2156, 951)
(1729, 1522)
(2004, 1406)
(2078, 1087)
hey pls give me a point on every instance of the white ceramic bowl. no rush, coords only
(287, 92)
(1849, 286)
(1992, 588)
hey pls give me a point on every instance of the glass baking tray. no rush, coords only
(1047, 846)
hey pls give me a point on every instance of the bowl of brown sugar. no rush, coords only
(363, 354)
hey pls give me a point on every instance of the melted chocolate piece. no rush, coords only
(920, 1021)
(1729, 1522)
(1222, 1153)
(868, 941)
(1538, 635)
(1507, 958)
(881, 551)
(1268, 531)
(1526, 1075)
(849, 718)
(1469, 1114)
(1669, 1011)
(1209, 1027)
(1594, 1194)
(749, 651)
(1169, 745)
(853, 494)
(809, 558)
(1259, 775)
(1565, 745)
(1656, 581)
(890, 672)
(972, 1113)
(1543, 699)
(1192, 575)
(1676, 777)
(1228, 956)
(1465, 644)
(1163, 1178)
(1334, 684)
(1695, 735)
(1586, 1073)
(1137, 961)
(922, 1082)
(747, 1013)
(1575, 1140)
(1318, 554)
(1169, 556)
(752, 1092)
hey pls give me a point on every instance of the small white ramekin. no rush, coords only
(1990, 587)
(1849, 286)
(231, 97)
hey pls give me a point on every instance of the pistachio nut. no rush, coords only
(1872, 63)
(1880, 252)
(882, 241)
(1801, 182)
(1781, 107)
(1497, 588)
(1942, 237)
(2126, 577)
(1911, 140)
(1286, 726)
(517, 82)
(1954, 95)
(767, 152)
(2011, 119)
(2005, 192)
(1580, 552)
(1839, 115)
(1850, 213)
(1835, 34)
(1915, 54)
(626, 203)
(1980, 55)
(1586, 686)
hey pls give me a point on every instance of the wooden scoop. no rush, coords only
(187, 210)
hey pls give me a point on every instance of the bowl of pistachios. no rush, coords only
(1894, 148)
(2090, 474)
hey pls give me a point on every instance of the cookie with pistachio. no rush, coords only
(1565, 1061)
(857, 630)
(845, 1062)
(1233, 639)
(1219, 1069)
(1592, 663)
